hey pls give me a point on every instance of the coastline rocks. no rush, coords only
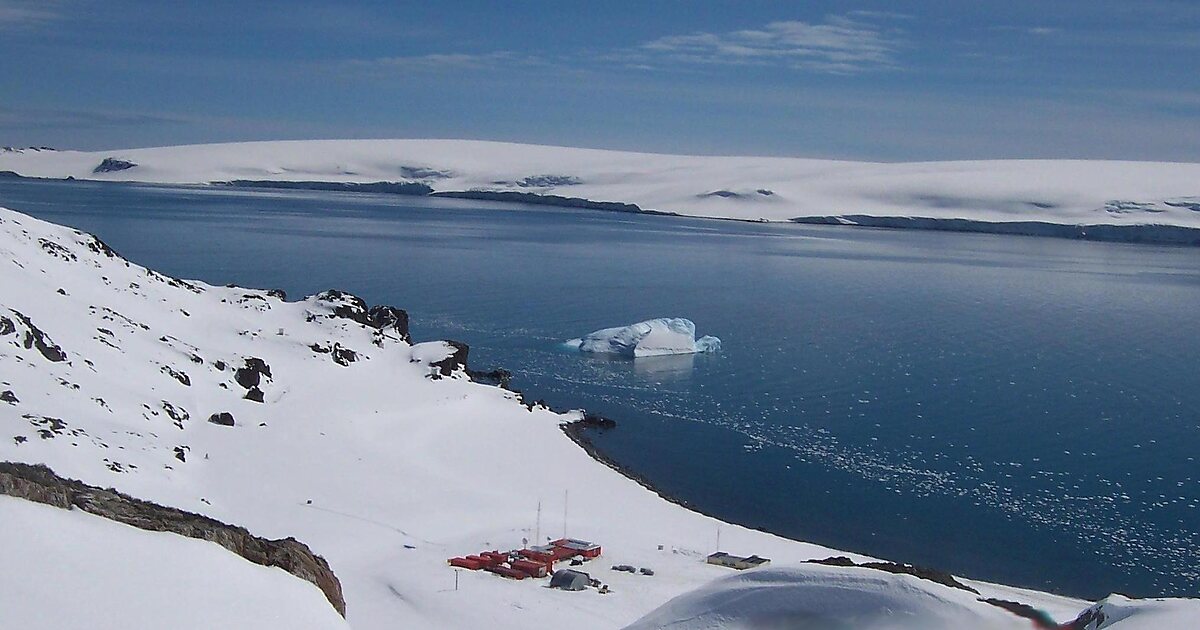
(349, 306)
(457, 360)
(40, 484)
(384, 317)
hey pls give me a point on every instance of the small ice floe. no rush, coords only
(651, 338)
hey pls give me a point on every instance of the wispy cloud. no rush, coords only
(1042, 31)
(20, 13)
(449, 61)
(840, 44)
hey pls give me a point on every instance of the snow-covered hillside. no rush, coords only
(1065, 192)
(316, 419)
(71, 570)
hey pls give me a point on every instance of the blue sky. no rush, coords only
(944, 79)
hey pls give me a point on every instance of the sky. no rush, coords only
(872, 80)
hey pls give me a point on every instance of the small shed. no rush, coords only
(569, 580)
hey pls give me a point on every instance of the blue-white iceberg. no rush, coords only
(651, 338)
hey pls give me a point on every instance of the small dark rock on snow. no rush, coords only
(223, 418)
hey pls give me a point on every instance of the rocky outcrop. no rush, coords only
(547, 200)
(455, 362)
(34, 337)
(385, 317)
(393, 188)
(112, 165)
(380, 317)
(933, 575)
(40, 484)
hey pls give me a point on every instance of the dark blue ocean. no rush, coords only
(1016, 409)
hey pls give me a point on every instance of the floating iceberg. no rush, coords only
(651, 338)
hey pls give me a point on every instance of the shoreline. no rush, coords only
(1136, 234)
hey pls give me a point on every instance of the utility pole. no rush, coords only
(456, 579)
(537, 537)
(718, 537)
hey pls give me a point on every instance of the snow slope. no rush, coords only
(109, 373)
(69, 570)
(822, 597)
(1068, 192)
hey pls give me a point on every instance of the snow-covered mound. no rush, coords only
(1117, 612)
(69, 569)
(317, 419)
(822, 597)
(1061, 192)
(651, 338)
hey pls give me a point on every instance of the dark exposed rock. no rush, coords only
(220, 365)
(251, 374)
(277, 293)
(9, 397)
(35, 337)
(346, 305)
(181, 453)
(183, 378)
(7, 327)
(1040, 619)
(343, 356)
(100, 247)
(933, 575)
(223, 418)
(384, 317)
(544, 181)
(498, 377)
(395, 188)
(255, 394)
(112, 165)
(726, 194)
(56, 250)
(547, 200)
(456, 361)
(594, 421)
(40, 484)
(1093, 617)
(178, 415)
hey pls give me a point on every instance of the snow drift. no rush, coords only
(651, 338)
(825, 598)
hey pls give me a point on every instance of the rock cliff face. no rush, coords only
(40, 484)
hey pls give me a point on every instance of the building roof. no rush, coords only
(576, 544)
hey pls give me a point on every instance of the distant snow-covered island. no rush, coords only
(1156, 202)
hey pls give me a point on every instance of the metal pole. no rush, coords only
(456, 579)
(537, 538)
